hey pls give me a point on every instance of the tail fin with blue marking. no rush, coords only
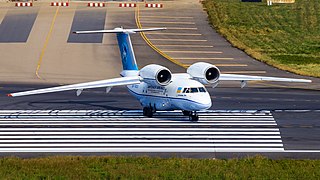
(125, 45)
(126, 51)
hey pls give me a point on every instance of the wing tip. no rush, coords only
(9, 95)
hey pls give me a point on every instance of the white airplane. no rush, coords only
(154, 86)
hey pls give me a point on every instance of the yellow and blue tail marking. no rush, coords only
(126, 51)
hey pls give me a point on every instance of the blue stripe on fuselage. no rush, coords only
(126, 51)
(149, 95)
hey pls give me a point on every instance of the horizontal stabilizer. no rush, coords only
(119, 30)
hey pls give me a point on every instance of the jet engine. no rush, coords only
(205, 73)
(155, 75)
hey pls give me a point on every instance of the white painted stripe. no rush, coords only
(167, 22)
(185, 136)
(132, 121)
(180, 45)
(180, 40)
(168, 17)
(137, 133)
(131, 118)
(125, 111)
(135, 150)
(139, 129)
(142, 141)
(303, 151)
(140, 124)
(9, 115)
(141, 145)
(193, 52)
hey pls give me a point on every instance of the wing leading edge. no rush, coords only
(237, 77)
(81, 86)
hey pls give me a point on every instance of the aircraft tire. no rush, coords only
(147, 112)
(187, 113)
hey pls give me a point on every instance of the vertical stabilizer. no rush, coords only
(126, 52)
(125, 45)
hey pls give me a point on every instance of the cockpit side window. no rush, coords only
(194, 90)
(201, 89)
(186, 90)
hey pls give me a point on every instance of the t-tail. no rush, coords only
(125, 46)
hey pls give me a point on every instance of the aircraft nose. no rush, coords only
(204, 102)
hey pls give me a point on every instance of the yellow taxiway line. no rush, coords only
(137, 13)
(46, 43)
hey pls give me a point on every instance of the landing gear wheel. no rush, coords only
(187, 113)
(147, 112)
(194, 116)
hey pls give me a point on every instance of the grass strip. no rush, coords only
(286, 36)
(73, 167)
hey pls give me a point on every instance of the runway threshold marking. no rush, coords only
(46, 43)
(143, 137)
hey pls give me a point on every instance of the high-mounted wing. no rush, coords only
(81, 86)
(244, 78)
(236, 77)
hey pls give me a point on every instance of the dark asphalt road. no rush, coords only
(86, 20)
(17, 24)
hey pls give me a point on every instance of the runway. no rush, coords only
(128, 131)
(217, 134)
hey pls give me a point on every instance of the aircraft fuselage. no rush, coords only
(180, 94)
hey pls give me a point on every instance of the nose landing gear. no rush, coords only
(193, 116)
(148, 111)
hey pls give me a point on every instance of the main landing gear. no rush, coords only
(193, 116)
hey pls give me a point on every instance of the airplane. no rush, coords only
(155, 87)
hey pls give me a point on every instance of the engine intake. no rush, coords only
(203, 72)
(154, 74)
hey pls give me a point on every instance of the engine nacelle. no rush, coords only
(203, 72)
(156, 75)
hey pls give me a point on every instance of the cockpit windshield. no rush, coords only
(194, 90)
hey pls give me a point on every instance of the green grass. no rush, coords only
(156, 168)
(286, 36)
